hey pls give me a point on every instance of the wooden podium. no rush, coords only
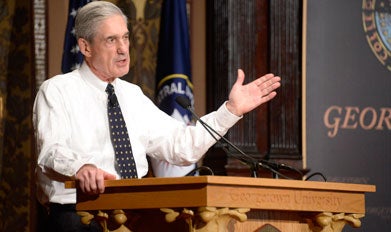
(222, 203)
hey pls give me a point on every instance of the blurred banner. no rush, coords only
(173, 72)
(348, 99)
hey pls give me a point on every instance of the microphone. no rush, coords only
(245, 158)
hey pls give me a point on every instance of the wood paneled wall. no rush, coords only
(259, 37)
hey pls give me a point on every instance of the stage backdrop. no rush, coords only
(348, 98)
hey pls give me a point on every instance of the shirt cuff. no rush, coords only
(225, 117)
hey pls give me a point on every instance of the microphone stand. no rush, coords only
(250, 161)
(245, 158)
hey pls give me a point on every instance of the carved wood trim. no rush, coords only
(285, 57)
(40, 41)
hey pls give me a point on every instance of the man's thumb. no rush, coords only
(240, 78)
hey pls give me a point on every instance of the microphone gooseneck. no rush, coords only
(253, 163)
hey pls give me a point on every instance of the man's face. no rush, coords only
(108, 55)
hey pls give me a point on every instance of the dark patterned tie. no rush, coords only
(119, 137)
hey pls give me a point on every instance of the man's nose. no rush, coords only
(122, 46)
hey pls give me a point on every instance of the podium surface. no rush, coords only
(224, 192)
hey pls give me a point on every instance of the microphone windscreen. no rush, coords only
(183, 101)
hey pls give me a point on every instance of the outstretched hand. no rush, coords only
(244, 98)
(91, 179)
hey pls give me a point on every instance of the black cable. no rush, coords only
(278, 166)
(316, 174)
(192, 172)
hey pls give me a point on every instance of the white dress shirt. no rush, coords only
(162, 168)
(71, 129)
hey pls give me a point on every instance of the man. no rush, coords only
(71, 121)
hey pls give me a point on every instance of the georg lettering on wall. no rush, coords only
(354, 117)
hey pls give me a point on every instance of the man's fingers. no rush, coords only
(91, 179)
(263, 79)
(269, 86)
(100, 180)
(268, 97)
(88, 182)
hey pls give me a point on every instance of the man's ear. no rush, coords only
(84, 47)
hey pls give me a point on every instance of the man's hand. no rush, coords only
(91, 179)
(244, 98)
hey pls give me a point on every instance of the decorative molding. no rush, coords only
(203, 219)
(40, 42)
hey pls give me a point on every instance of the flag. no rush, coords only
(71, 56)
(173, 74)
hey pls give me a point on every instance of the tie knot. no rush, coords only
(109, 89)
(112, 98)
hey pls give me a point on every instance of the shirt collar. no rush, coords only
(91, 78)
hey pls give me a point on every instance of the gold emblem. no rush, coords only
(376, 16)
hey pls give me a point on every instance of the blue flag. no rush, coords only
(71, 56)
(173, 77)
